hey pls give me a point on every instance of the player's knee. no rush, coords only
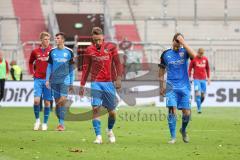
(47, 103)
(36, 101)
(172, 110)
(197, 93)
(96, 110)
(112, 113)
(186, 112)
(62, 101)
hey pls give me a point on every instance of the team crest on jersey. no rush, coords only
(181, 54)
(65, 54)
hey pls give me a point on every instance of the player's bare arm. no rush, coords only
(190, 51)
(162, 71)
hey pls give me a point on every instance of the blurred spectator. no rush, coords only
(125, 44)
(16, 71)
(4, 70)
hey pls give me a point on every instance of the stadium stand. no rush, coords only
(9, 31)
(214, 27)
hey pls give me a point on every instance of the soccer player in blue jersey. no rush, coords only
(174, 61)
(60, 76)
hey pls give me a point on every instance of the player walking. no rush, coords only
(175, 62)
(60, 76)
(38, 66)
(99, 58)
(201, 72)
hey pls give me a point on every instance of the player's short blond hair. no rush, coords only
(201, 50)
(44, 34)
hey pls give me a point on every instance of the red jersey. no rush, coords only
(103, 64)
(38, 62)
(200, 67)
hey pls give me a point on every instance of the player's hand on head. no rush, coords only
(180, 39)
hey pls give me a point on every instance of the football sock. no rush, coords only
(111, 122)
(61, 115)
(198, 101)
(36, 109)
(172, 125)
(97, 126)
(202, 99)
(185, 120)
(46, 114)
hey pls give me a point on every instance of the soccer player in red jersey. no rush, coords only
(100, 57)
(201, 72)
(38, 66)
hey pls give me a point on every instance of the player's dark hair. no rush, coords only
(176, 35)
(61, 34)
(97, 31)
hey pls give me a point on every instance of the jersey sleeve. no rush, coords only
(85, 67)
(190, 68)
(186, 55)
(31, 62)
(207, 68)
(71, 67)
(50, 60)
(162, 63)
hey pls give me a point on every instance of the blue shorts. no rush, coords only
(180, 98)
(40, 89)
(103, 94)
(200, 86)
(59, 90)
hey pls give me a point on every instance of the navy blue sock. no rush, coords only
(185, 120)
(172, 125)
(46, 114)
(61, 115)
(57, 112)
(202, 99)
(97, 126)
(36, 109)
(198, 101)
(111, 122)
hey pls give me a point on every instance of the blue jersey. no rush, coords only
(60, 66)
(176, 64)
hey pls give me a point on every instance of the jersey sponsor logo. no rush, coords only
(42, 58)
(60, 59)
(201, 65)
(101, 58)
(178, 62)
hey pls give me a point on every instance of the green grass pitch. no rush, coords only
(140, 131)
